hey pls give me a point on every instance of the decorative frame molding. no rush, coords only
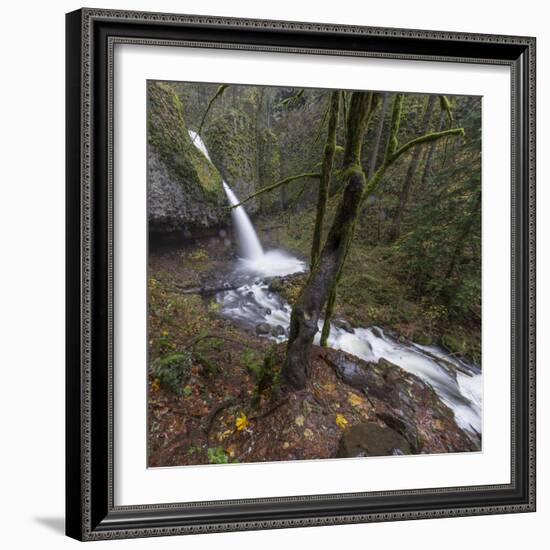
(91, 37)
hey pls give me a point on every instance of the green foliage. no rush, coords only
(216, 455)
(173, 370)
(252, 360)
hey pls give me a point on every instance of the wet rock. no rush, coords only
(276, 284)
(278, 330)
(405, 403)
(343, 324)
(370, 439)
(262, 329)
(350, 371)
(377, 332)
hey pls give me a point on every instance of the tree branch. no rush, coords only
(426, 138)
(277, 184)
(221, 89)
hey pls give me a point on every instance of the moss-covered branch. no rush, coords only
(276, 185)
(372, 184)
(293, 99)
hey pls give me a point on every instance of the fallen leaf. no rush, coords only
(242, 422)
(354, 400)
(299, 420)
(341, 421)
(308, 433)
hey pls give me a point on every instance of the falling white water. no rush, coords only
(247, 239)
(253, 304)
(250, 247)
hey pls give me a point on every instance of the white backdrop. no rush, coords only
(32, 286)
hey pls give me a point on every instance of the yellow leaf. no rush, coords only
(299, 421)
(308, 433)
(155, 385)
(354, 400)
(341, 421)
(242, 422)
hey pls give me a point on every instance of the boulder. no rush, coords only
(278, 330)
(263, 329)
(370, 439)
(343, 324)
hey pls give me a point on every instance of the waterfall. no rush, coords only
(249, 244)
(250, 247)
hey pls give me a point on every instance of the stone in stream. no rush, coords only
(377, 332)
(262, 329)
(278, 330)
(343, 324)
(370, 439)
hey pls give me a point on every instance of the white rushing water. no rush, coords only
(247, 239)
(253, 305)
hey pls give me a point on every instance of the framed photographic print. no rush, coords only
(300, 274)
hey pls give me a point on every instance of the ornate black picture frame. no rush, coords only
(90, 510)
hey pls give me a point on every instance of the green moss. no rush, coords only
(168, 135)
(231, 140)
(269, 165)
(172, 370)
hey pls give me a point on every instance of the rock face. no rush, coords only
(404, 404)
(184, 189)
(245, 150)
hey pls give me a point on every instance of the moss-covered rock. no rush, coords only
(233, 147)
(269, 166)
(184, 187)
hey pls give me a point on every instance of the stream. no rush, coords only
(250, 303)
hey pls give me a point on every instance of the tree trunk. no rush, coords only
(326, 173)
(409, 178)
(379, 131)
(431, 151)
(306, 312)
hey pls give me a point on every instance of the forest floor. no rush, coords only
(228, 404)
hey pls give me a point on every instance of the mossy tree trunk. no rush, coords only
(395, 230)
(306, 312)
(326, 174)
(379, 132)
